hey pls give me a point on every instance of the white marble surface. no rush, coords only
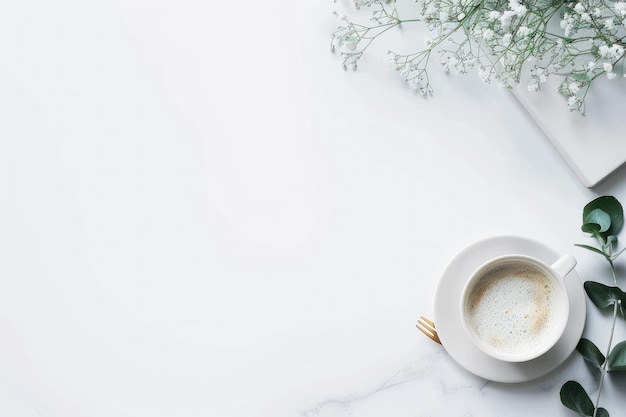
(202, 214)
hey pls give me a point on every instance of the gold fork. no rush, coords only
(427, 327)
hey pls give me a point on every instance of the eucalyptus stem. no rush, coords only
(603, 368)
(613, 273)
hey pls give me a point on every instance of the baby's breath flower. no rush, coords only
(568, 24)
(616, 51)
(517, 8)
(613, 52)
(608, 68)
(506, 18)
(488, 34)
(484, 74)
(579, 8)
(502, 39)
(494, 15)
(538, 77)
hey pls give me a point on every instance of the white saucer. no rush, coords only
(448, 318)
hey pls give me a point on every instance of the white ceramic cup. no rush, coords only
(515, 308)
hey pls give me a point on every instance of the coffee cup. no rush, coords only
(515, 308)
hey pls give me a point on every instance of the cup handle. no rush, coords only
(564, 265)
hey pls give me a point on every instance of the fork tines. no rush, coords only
(427, 327)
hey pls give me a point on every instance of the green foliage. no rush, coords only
(597, 221)
(574, 397)
(590, 352)
(591, 248)
(603, 219)
(604, 296)
(617, 358)
(596, 211)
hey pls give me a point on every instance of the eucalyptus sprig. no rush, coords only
(603, 218)
(575, 40)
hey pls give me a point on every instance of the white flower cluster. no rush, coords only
(413, 71)
(508, 16)
(577, 40)
(365, 3)
(538, 77)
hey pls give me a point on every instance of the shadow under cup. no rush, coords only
(515, 308)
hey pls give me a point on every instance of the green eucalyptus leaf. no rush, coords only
(591, 248)
(617, 357)
(602, 412)
(590, 228)
(574, 397)
(610, 206)
(600, 218)
(602, 295)
(590, 352)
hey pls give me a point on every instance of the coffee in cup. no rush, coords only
(515, 308)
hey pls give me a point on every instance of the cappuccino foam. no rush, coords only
(510, 308)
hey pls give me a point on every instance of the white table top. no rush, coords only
(202, 214)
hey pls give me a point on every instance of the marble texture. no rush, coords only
(202, 214)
